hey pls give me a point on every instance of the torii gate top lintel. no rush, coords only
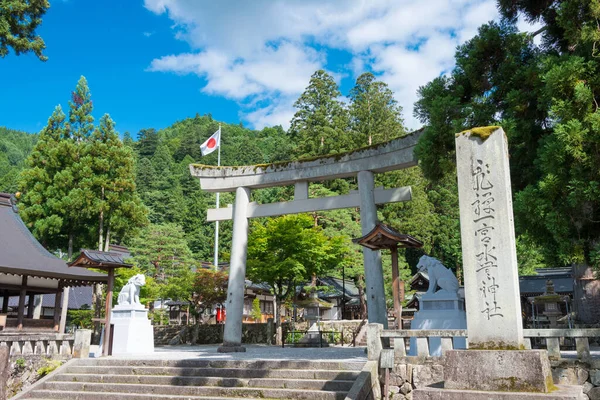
(392, 155)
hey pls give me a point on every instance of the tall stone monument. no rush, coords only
(496, 366)
(488, 240)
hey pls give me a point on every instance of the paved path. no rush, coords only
(254, 352)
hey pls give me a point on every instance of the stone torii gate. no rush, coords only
(363, 163)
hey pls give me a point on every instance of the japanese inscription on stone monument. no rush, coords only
(488, 240)
(484, 220)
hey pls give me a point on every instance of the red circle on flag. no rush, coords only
(211, 143)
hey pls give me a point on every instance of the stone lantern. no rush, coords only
(550, 301)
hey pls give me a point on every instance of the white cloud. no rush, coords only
(147, 34)
(262, 52)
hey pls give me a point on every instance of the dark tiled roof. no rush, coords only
(383, 236)
(21, 253)
(258, 286)
(96, 258)
(532, 285)
(337, 286)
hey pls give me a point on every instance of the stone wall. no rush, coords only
(409, 373)
(24, 371)
(206, 334)
(251, 333)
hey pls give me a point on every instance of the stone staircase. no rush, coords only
(194, 379)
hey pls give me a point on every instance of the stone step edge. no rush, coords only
(73, 370)
(123, 385)
(204, 363)
(200, 377)
(136, 395)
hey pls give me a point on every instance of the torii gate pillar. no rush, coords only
(232, 336)
(372, 258)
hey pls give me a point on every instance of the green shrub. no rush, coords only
(49, 366)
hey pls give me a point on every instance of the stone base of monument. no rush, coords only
(133, 333)
(497, 374)
(562, 392)
(439, 311)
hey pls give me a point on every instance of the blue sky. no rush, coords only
(150, 63)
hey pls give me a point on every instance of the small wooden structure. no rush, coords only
(383, 236)
(28, 269)
(107, 261)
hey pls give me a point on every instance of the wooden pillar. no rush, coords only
(109, 290)
(57, 303)
(5, 298)
(21, 311)
(30, 306)
(396, 288)
(64, 309)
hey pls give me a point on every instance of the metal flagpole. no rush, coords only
(217, 222)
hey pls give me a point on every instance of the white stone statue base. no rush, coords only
(439, 311)
(133, 332)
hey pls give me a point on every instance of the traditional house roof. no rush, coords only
(22, 254)
(100, 259)
(536, 285)
(337, 286)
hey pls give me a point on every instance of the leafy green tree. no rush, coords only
(18, 21)
(320, 125)
(290, 250)
(375, 115)
(546, 99)
(209, 290)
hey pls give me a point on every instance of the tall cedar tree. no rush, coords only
(320, 126)
(18, 21)
(546, 98)
(375, 115)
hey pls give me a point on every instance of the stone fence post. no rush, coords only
(269, 330)
(374, 346)
(81, 347)
(4, 366)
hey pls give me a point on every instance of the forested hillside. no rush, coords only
(15, 146)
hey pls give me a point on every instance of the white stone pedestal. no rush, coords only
(440, 311)
(133, 332)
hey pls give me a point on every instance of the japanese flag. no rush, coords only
(211, 143)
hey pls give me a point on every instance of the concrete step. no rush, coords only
(290, 383)
(123, 396)
(58, 389)
(215, 372)
(251, 364)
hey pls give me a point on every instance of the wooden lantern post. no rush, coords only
(384, 237)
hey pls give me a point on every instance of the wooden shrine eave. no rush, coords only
(389, 156)
(21, 254)
(100, 259)
(384, 237)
